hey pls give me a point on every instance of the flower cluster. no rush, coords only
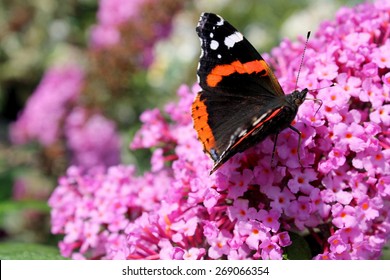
(136, 24)
(111, 14)
(93, 209)
(339, 204)
(92, 140)
(52, 114)
(48, 106)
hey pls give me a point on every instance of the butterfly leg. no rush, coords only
(299, 142)
(274, 148)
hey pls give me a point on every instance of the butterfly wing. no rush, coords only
(239, 91)
(229, 64)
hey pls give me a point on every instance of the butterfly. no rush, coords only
(241, 101)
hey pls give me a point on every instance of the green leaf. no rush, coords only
(28, 251)
(8, 206)
(6, 180)
(386, 252)
(299, 249)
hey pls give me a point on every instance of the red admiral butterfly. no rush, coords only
(241, 102)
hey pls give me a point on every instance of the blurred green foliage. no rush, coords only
(21, 251)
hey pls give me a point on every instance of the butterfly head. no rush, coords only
(298, 96)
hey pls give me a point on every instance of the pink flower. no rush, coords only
(351, 135)
(300, 209)
(154, 130)
(239, 183)
(219, 245)
(254, 232)
(284, 239)
(354, 41)
(270, 250)
(381, 115)
(379, 55)
(194, 254)
(343, 216)
(337, 245)
(280, 199)
(240, 210)
(270, 219)
(336, 158)
(318, 203)
(326, 71)
(301, 181)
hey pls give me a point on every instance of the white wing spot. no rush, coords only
(256, 121)
(214, 45)
(211, 35)
(219, 56)
(220, 22)
(242, 133)
(231, 40)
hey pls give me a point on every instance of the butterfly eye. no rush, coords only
(298, 101)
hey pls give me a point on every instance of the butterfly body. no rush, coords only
(241, 102)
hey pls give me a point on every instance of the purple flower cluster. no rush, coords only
(339, 203)
(92, 140)
(137, 24)
(92, 210)
(110, 15)
(51, 115)
(48, 105)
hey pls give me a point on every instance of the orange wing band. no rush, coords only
(200, 117)
(220, 71)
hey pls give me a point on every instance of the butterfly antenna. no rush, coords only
(317, 100)
(317, 89)
(303, 56)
